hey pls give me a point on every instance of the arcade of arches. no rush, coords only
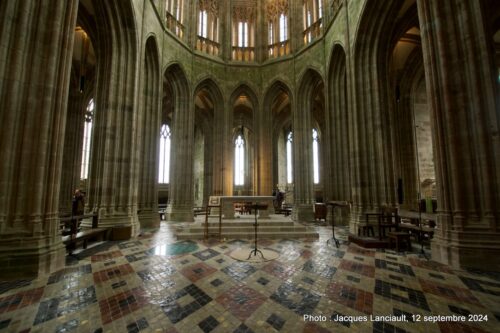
(148, 102)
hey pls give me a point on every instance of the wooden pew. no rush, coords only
(74, 237)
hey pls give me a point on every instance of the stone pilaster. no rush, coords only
(338, 182)
(148, 137)
(302, 151)
(35, 53)
(114, 159)
(180, 206)
(372, 177)
(464, 115)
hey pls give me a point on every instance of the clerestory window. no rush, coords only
(87, 135)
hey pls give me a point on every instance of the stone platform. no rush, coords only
(241, 227)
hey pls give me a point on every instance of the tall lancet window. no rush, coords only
(87, 135)
(289, 161)
(239, 160)
(315, 156)
(164, 167)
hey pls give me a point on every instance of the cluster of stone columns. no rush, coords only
(463, 95)
(36, 44)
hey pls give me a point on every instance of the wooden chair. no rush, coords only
(389, 219)
(320, 211)
(214, 211)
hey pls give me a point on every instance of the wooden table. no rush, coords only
(227, 203)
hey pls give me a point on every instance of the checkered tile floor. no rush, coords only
(157, 284)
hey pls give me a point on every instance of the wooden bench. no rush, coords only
(76, 237)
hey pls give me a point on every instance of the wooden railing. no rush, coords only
(243, 53)
(208, 46)
(278, 49)
(174, 25)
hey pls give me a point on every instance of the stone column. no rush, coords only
(339, 130)
(180, 206)
(371, 159)
(114, 159)
(228, 146)
(264, 161)
(461, 90)
(148, 138)
(36, 45)
(302, 155)
(72, 156)
(217, 145)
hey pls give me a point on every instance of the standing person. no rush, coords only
(77, 208)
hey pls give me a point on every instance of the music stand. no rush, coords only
(335, 204)
(256, 207)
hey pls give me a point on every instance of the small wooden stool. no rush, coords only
(398, 238)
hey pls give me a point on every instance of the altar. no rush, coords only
(227, 204)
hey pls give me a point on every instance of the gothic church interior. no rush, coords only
(377, 121)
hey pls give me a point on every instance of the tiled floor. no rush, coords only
(157, 284)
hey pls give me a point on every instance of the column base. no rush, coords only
(179, 213)
(468, 250)
(25, 257)
(149, 219)
(303, 213)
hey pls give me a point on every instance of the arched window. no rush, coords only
(164, 169)
(289, 161)
(239, 160)
(87, 134)
(315, 156)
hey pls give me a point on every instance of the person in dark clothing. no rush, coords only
(77, 209)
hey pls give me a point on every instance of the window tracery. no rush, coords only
(243, 17)
(277, 18)
(208, 27)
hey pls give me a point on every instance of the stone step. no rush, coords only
(247, 223)
(245, 229)
(246, 235)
